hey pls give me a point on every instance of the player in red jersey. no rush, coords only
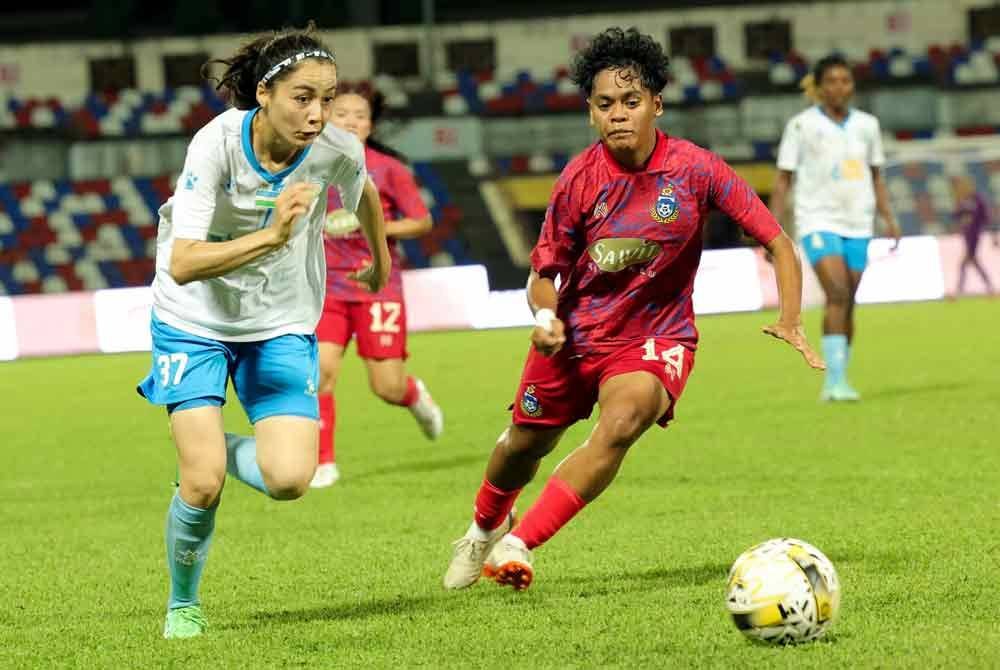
(623, 232)
(377, 321)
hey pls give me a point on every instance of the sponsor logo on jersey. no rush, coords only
(529, 402)
(665, 210)
(617, 253)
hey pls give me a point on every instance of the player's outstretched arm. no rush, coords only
(788, 274)
(375, 276)
(193, 260)
(549, 333)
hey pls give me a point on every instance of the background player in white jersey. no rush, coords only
(835, 154)
(240, 278)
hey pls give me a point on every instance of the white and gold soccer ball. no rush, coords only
(340, 223)
(783, 591)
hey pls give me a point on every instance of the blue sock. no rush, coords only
(835, 355)
(241, 461)
(189, 535)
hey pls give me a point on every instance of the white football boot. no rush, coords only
(427, 413)
(470, 554)
(510, 564)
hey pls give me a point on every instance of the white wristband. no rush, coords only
(544, 318)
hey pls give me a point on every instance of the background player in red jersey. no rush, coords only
(623, 231)
(377, 321)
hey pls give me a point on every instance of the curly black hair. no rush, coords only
(827, 63)
(618, 49)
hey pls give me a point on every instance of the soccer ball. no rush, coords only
(783, 591)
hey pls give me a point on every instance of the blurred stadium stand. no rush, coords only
(91, 132)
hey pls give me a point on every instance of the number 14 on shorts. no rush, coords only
(673, 357)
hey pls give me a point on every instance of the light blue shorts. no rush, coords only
(821, 244)
(276, 377)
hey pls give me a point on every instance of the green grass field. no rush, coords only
(900, 491)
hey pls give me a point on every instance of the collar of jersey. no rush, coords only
(271, 178)
(653, 164)
(839, 124)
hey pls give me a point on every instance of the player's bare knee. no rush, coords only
(327, 381)
(524, 442)
(391, 391)
(624, 426)
(287, 487)
(288, 480)
(839, 296)
(202, 489)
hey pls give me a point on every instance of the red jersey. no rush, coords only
(627, 243)
(348, 252)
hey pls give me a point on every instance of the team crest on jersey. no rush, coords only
(665, 210)
(529, 402)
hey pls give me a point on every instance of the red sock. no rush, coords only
(327, 420)
(412, 393)
(554, 508)
(493, 505)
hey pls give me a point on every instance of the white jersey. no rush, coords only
(833, 187)
(224, 193)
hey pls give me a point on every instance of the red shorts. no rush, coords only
(380, 327)
(559, 390)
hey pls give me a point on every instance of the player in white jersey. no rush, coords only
(835, 154)
(239, 288)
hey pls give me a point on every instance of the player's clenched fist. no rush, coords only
(292, 203)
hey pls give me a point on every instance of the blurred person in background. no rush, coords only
(238, 290)
(377, 321)
(972, 217)
(833, 154)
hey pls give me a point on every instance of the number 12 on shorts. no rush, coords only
(672, 357)
(171, 363)
(385, 317)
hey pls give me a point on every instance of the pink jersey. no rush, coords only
(400, 200)
(627, 244)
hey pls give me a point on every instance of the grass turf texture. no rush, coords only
(900, 491)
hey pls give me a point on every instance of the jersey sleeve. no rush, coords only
(731, 194)
(876, 154)
(405, 193)
(556, 250)
(350, 175)
(198, 185)
(790, 146)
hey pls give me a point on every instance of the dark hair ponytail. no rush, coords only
(255, 59)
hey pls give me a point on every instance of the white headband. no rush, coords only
(292, 60)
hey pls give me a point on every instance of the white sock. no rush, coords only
(514, 540)
(477, 533)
